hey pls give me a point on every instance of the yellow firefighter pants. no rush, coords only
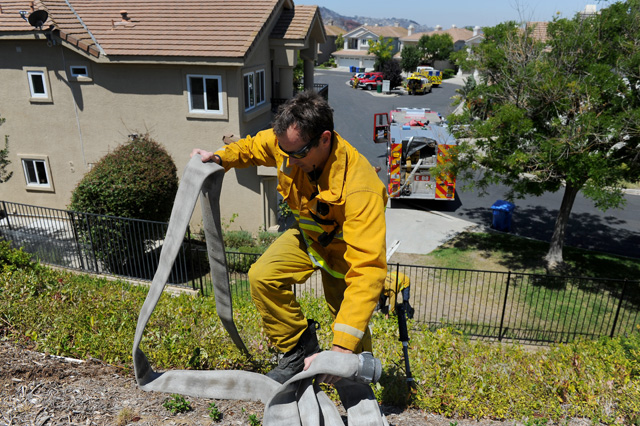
(272, 277)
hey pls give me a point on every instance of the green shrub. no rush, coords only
(448, 73)
(12, 259)
(237, 239)
(138, 180)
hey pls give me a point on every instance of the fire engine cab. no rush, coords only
(417, 140)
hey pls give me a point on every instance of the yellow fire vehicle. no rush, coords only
(417, 140)
(418, 85)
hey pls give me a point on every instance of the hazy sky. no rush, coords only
(458, 12)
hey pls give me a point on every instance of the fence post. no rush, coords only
(4, 208)
(76, 238)
(504, 306)
(615, 319)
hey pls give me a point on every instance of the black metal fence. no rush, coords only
(498, 305)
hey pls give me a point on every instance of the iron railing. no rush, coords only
(489, 304)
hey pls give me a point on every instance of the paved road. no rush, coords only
(424, 225)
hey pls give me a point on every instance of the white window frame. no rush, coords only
(42, 176)
(205, 110)
(45, 84)
(76, 74)
(253, 81)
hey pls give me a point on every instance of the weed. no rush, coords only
(126, 416)
(254, 420)
(177, 404)
(214, 412)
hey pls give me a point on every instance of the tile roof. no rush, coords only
(388, 31)
(172, 28)
(457, 34)
(538, 30)
(294, 24)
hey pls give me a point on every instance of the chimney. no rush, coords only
(438, 28)
(453, 26)
(396, 24)
(410, 29)
(476, 30)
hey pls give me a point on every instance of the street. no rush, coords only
(615, 231)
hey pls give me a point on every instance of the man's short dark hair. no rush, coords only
(308, 111)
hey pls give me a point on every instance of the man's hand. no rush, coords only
(206, 155)
(325, 378)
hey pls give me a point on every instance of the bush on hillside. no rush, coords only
(138, 180)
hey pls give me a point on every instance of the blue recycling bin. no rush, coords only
(502, 214)
(352, 69)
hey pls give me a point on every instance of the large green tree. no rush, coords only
(411, 58)
(563, 114)
(383, 50)
(436, 47)
(4, 158)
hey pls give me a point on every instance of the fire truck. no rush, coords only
(417, 140)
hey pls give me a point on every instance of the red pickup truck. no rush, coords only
(371, 80)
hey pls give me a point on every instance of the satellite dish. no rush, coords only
(38, 18)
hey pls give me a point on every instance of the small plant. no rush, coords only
(177, 404)
(126, 416)
(254, 421)
(214, 412)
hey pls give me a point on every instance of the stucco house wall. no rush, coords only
(83, 118)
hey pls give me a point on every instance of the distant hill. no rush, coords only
(329, 17)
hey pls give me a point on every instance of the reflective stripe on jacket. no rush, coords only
(352, 219)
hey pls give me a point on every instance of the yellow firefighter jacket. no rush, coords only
(341, 216)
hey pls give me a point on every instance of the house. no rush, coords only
(358, 40)
(460, 37)
(77, 77)
(329, 46)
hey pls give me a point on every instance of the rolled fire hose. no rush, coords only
(299, 401)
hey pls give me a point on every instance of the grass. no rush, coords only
(80, 316)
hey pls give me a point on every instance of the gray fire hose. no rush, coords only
(299, 401)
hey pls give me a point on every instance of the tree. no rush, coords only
(411, 57)
(383, 50)
(4, 158)
(563, 114)
(340, 42)
(138, 180)
(436, 47)
(391, 71)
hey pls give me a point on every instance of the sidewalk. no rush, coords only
(420, 231)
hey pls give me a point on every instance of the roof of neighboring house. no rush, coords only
(351, 53)
(334, 30)
(457, 34)
(539, 30)
(388, 31)
(191, 28)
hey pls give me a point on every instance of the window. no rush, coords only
(205, 94)
(79, 71)
(37, 84)
(35, 172)
(254, 90)
(353, 43)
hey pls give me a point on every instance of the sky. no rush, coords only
(484, 13)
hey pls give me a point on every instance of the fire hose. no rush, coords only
(299, 401)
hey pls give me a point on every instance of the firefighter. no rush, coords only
(338, 202)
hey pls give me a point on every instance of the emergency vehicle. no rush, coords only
(417, 140)
(433, 75)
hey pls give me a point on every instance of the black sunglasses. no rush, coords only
(302, 152)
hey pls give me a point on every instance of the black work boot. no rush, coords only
(293, 361)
